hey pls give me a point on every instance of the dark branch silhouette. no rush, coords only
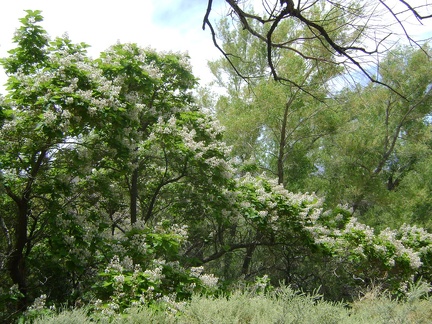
(358, 21)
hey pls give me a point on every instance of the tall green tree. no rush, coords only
(272, 123)
(285, 130)
(275, 123)
(382, 141)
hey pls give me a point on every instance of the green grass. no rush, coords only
(284, 305)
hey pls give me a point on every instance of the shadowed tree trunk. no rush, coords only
(17, 261)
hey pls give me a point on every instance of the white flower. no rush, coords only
(49, 117)
(119, 279)
(196, 271)
(155, 274)
(263, 213)
(209, 280)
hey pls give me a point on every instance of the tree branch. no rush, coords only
(287, 9)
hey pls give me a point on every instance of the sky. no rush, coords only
(166, 25)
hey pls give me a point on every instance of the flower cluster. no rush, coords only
(199, 134)
(208, 280)
(266, 202)
(39, 303)
(162, 282)
(39, 308)
(397, 256)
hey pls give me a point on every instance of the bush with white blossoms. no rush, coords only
(124, 285)
(390, 258)
(300, 222)
(39, 309)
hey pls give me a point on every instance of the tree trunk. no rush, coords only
(17, 265)
(17, 262)
(249, 253)
(282, 145)
(248, 259)
(134, 196)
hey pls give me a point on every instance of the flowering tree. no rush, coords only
(90, 148)
(55, 96)
(79, 139)
(152, 86)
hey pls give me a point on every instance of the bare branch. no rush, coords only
(216, 44)
(418, 16)
(351, 51)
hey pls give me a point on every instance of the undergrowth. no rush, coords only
(282, 305)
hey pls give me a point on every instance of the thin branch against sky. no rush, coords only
(368, 29)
